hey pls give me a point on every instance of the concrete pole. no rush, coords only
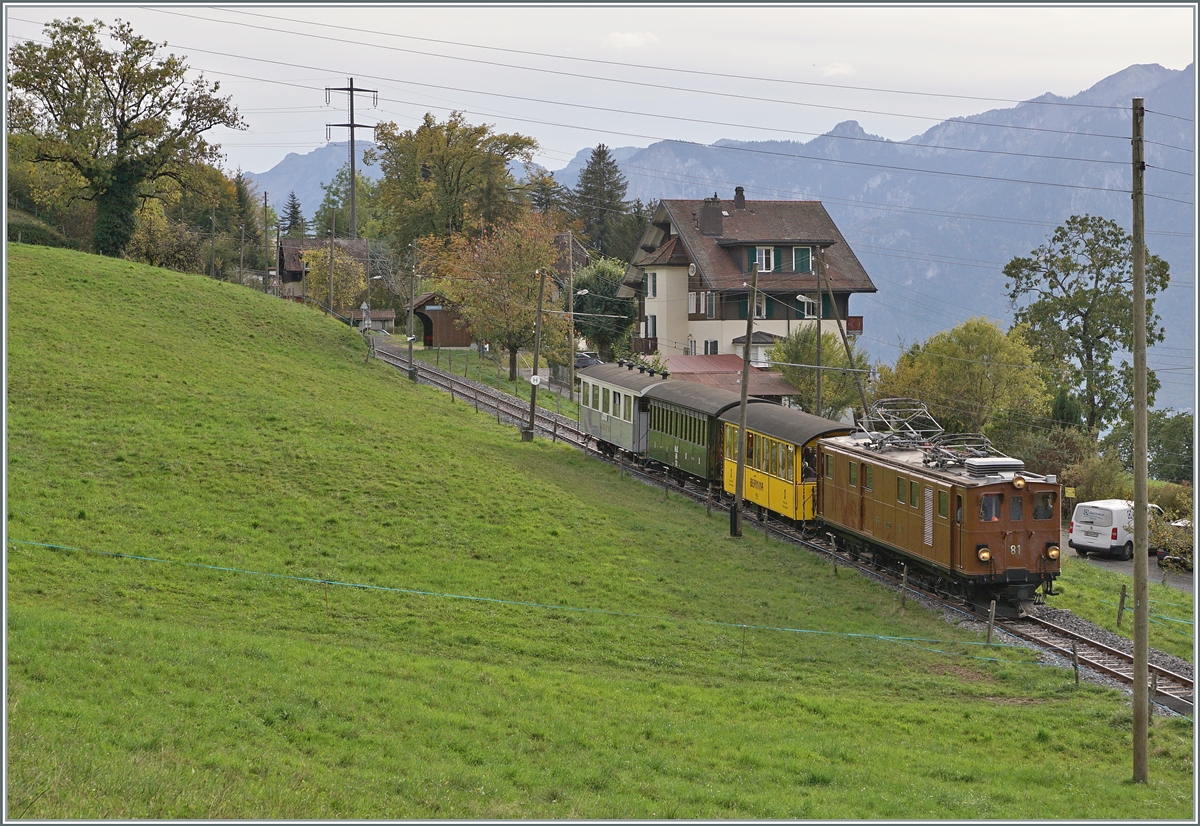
(1141, 591)
(735, 513)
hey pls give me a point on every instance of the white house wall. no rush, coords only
(670, 306)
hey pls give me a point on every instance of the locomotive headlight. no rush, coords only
(984, 554)
(1052, 552)
(1019, 482)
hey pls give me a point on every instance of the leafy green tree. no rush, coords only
(1075, 296)
(493, 281)
(161, 242)
(349, 278)
(601, 317)
(121, 120)
(545, 193)
(446, 178)
(598, 201)
(967, 375)
(337, 196)
(292, 223)
(839, 388)
(1168, 440)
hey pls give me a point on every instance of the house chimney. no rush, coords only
(739, 198)
(710, 216)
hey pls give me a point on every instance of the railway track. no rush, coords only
(1171, 690)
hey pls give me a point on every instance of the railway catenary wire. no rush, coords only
(1172, 690)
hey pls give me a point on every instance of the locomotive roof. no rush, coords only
(627, 378)
(785, 423)
(702, 398)
(915, 460)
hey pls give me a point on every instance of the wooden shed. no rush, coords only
(441, 323)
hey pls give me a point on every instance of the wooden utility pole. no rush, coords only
(332, 232)
(534, 380)
(352, 126)
(266, 245)
(820, 317)
(412, 298)
(837, 317)
(1141, 591)
(735, 512)
(212, 268)
(571, 314)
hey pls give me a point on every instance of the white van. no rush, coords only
(1105, 527)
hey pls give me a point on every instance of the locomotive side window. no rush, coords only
(828, 466)
(1016, 507)
(901, 489)
(868, 477)
(853, 474)
(914, 492)
(958, 509)
(989, 507)
(1043, 505)
(943, 503)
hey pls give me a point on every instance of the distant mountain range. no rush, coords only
(306, 174)
(935, 218)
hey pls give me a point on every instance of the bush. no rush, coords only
(25, 229)
(1098, 477)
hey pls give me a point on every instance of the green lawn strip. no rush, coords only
(1095, 594)
(253, 436)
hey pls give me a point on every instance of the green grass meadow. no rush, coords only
(512, 630)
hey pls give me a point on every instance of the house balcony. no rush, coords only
(645, 346)
(854, 325)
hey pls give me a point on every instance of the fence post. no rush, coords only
(991, 621)
(904, 586)
(1075, 661)
(1121, 607)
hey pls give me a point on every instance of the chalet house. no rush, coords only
(691, 275)
(384, 320)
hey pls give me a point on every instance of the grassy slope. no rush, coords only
(169, 416)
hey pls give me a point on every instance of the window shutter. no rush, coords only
(802, 259)
(769, 304)
(751, 259)
(778, 264)
(826, 312)
(742, 302)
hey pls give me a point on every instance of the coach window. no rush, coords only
(595, 397)
(868, 477)
(901, 489)
(1043, 505)
(914, 492)
(989, 507)
(790, 473)
(604, 398)
(583, 393)
(1016, 507)
(628, 408)
(943, 503)
(854, 474)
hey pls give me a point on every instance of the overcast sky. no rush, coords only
(559, 74)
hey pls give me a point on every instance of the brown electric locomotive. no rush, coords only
(964, 521)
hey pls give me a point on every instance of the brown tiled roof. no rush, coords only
(376, 315)
(725, 371)
(670, 254)
(722, 260)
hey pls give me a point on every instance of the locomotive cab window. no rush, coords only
(1016, 508)
(901, 489)
(828, 466)
(1043, 505)
(853, 474)
(989, 507)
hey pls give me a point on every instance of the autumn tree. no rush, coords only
(446, 178)
(795, 357)
(493, 280)
(349, 278)
(337, 197)
(601, 317)
(119, 120)
(968, 375)
(1074, 294)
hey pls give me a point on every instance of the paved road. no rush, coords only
(1184, 582)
